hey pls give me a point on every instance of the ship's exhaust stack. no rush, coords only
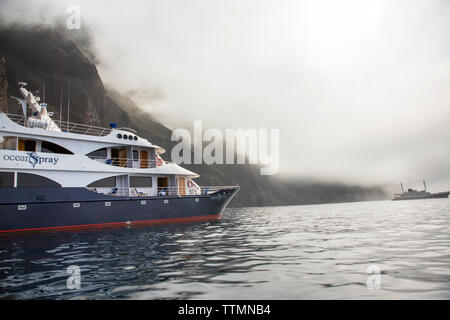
(424, 185)
(401, 185)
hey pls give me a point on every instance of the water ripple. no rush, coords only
(297, 252)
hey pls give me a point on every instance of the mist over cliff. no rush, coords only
(49, 56)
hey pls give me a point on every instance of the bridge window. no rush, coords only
(104, 183)
(33, 180)
(50, 147)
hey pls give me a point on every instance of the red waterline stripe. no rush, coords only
(118, 224)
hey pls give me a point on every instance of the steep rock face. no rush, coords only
(46, 56)
(3, 86)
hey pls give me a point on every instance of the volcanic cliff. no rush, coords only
(47, 56)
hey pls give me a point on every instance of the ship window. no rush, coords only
(143, 182)
(33, 180)
(26, 145)
(10, 143)
(135, 155)
(163, 183)
(100, 153)
(104, 183)
(119, 157)
(50, 147)
(30, 145)
(6, 179)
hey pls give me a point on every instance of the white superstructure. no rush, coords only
(35, 149)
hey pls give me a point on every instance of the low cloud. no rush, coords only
(358, 89)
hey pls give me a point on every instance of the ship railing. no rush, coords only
(212, 189)
(130, 162)
(159, 191)
(17, 118)
(70, 127)
(128, 129)
(194, 190)
(120, 191)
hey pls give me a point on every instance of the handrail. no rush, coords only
(70, 127)
(161, 191)
(128, 129)
(115, 161)
(202, 190)
(122, 162)
(17, 118)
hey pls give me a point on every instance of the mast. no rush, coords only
(60, 109)
(68, 106)
(43, 91)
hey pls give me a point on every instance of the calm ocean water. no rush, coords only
(295, 252)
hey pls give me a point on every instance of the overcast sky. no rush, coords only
(360, 90)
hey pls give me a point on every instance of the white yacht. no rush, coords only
(56, 174)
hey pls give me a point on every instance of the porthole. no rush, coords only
(119, 135)
(125, 136)
(135, 138)
(130, 137)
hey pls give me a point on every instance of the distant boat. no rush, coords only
(412, 194)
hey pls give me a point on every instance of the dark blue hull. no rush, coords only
(34, 209)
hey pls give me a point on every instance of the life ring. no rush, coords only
(190, 183)
(159, 161)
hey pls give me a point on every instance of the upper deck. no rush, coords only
(39, 124)
(76, 137)
(69, 127)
